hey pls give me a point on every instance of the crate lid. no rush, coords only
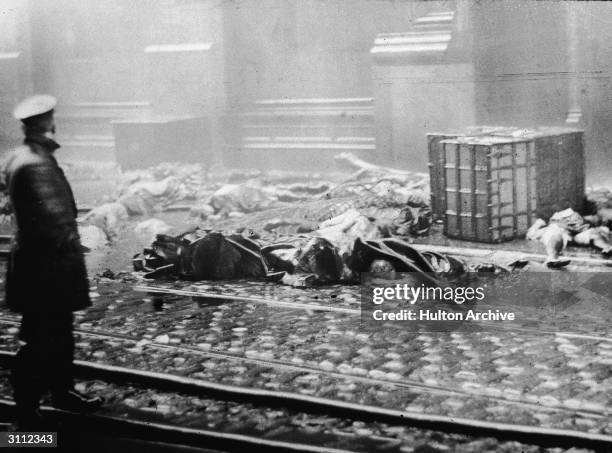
(470, 131)
(540, 131)
(557, 130)
(485, 140)
(508, 131)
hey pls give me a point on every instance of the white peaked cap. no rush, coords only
(34, 105)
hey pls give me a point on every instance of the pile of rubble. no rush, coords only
(230, 199)
(316, 231)
(570, 227)
(373, 206)
(370, 201)
(391, 199)
(599, 202)
(6, 210)
(214, 193)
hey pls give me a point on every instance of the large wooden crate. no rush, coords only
(437, 162)
(491, 187)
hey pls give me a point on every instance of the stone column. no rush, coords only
(424, 82)
(574, 114)
(185, 67)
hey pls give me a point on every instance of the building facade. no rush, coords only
(292, 82)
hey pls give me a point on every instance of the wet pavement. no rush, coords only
(279, 424)
(518, 376)
(521, 374)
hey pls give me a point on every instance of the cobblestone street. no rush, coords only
(520, 374)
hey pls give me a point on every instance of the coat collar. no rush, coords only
(48, 143)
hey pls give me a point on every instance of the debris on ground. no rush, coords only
(305, 260)
(343, 229)
(150, 228)
(565, 227)
(599, 202)
(396, 198)
(139, 203)
(92, 237)
(211, 193)
(108, 217)
(398, 202)
(164, 192)
(241, 198)
(6, 209)
(365, 170)
(107, 273)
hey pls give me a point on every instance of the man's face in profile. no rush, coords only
(49, 126)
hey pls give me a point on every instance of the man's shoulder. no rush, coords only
(21, 157)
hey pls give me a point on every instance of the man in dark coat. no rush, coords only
(46, 277)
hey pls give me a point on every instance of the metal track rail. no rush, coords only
(406, 384)
(329, 308)
(310, 404)
(249, 299)
(170, 434)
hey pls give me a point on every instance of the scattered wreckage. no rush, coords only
(304, 261)
(568, 227)
(357, 226)
(293, 215)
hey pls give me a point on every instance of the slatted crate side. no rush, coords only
(571, 175)
(502, 189)
(467, 191)
(513, 189)
(490, 189)
(533, 185)
(547, 165)
(437, 161)
(451, 182)
(560, 172)
(580, 175)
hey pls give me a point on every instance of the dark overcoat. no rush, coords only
(46, 270)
